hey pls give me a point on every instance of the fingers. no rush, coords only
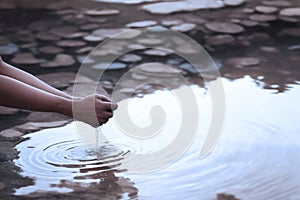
(103, 98)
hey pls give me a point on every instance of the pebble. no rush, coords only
(131, 58)
(85, 60)
(36, 126)
(242, 61)
(249, 23)
(47, 36)
(60, 80)
(75, 35)
(51, 50)
(157, 69)
(141, 24)
(292, 31)
(8, 111)
(279, 3)
(294, 47)
(60, 60)
(107, 32)
(289, 19)
(269, 49)
(224, 27)
(70, 43)
(266, 9)
(185, 27)
(93, 38)
(139, 77)
(85, 89)
(157, 52)
(8, 49)
(64, 30)
(263, 17)
(223, 196)
(107, 85)
(189, 68)
(11, 134)
(290, 12)
(220, 40)
(89, 27)
(112, 66)
(234, 2)
(96, 12)
(84, 49)
(25, 58)
(171, 22)
(150, 41)
(42, 25)
(7, 151)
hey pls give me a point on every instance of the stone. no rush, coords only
(70, 43)
(150, 41)
(294, 47)
(292, 31)
(51, 50)
(179, 6)
(263, 17)
(86, 49)
(60, 60)
(46, 117)
(266, 9)
(110, 66)
(242, 62)
(107, 85)
(25, 58)
(224, 27)
(220, 40)
(93, 38)
(249, 23)
(131, 58)
(290, 12)
(188, 49)
(75, 35)
(188, 68)
(138, 77)
(42, 25)
(47, 36)
(269, 49)
(64, 30)
(234, 2)
(7, 151)
(60, 80)
(141, 24)
(288, 19)
(8, 111)
(8, 49)
(223, 196)
(89, 27)
(95, 12)
(185, 27)
(37, 126)
(157, 52)
(171, 22)
(85, 60)
(85, 89)
(277, 3)
(11, 134)
(157, 69)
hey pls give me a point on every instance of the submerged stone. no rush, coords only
(111, 66)
(185, 27)
(157, 52)
(131, 58)
(36, 126)
(263, 17)
(8, 111)
(25, 58)
(266, 9)
(70, 43)
(58, 80)
(234, 2)
(47, 36)
(279, 3)
(290, 12)
(51, 50)
(8, 49)
(11, 134)
(243, 61)
(220, 40)
(46, 117)
(224, 27)
(292, 32)
(141, 24)
(95, 12)
(61, 60)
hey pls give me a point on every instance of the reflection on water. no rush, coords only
(257, 156)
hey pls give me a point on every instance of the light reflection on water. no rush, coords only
(257, 156)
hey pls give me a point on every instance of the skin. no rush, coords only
(19, 89)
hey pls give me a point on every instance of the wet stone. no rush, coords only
(95, 12)
(234, 2)
(188, 68)
(138, 77)
(25, 58)
(85, 60)
(75, 35)
(242, 62)
(290, 12)
(292, 32)
(224, 27)
(279, 3)
(8, 49)
(8, 111)
(150, 41)
(157, 52)
(107, 85)
(37, 126)
(112, 66)
(220, 40)
(42, 25)
(85, 89)
(249, 23)
(64, 30)
(89, 27)
(11, 134)
(58, 80)
(172, 22)
(157, 69)
(185, 27)
(266, 9)
(46, 117)
(141, 24)
(93, 38)
(51, 50)
(85, 50)
(47, 36)
(131, 58)
(294, 47)
(7, 151)
(70, 43)
(106, 33)
(288, 19)
(61, 60)
(269, 49)
(224, 196)
(263, 17)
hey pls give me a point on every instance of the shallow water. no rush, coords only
(257, 156)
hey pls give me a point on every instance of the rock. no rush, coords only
(7, 151)
(8, 49)
(130, 58)
(85, 60)
(288, 19)
(85, 89)
(89, 27)
(220, 40)
(111, 66)
(47, 36)
(8, 111)
(150, 41)
(107, 85)
(25, 58)
(61, 60)
(106, 33)
(85, 50)
(51, 50)
(269, 49)
(136, 46)
(234, 2)
(42, 25)
(242, 62)
(224, 196)
(292, 32)
(171, 22)
(64, 31)
(157, 52)
(263, 17)
(141, 24)
(188, 49)
(266, 9)
(46, 117)
(156, 69)
(249, 23)
(185, 27)
(70, 43)
(189, 68)
(279, 3)
(11, 134)
(248, 10)
(60, 80)
(36, 126)
(75, 35)
(294, 47)
(95, 12)
(179, 6)
(290, 12)
(224, 27)
(138, 77)
(93, 38)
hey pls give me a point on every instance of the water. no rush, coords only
(257, 156)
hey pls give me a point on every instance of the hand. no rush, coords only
(94, 109)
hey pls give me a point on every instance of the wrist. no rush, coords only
(65, 107)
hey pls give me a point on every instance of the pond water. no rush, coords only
(257, 156)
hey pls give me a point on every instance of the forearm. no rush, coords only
(14, 93)
(10, 71)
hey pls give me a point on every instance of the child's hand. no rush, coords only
(84, 109)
